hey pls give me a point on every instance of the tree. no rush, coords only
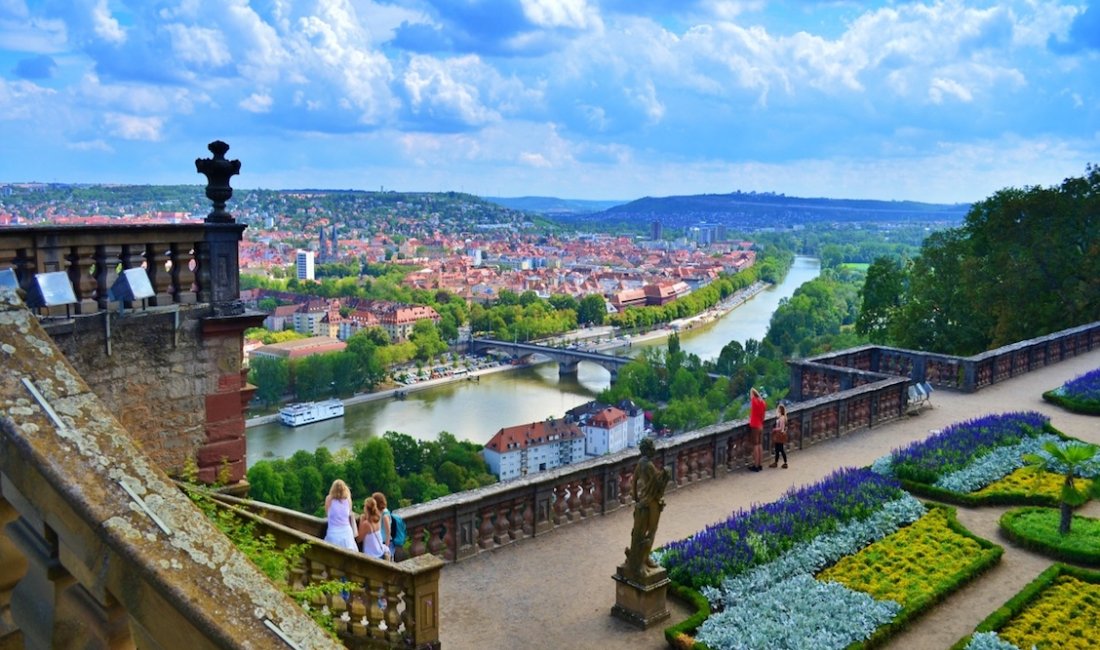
(881, 298)
(271, 377)
(563, 301)
(592, 310)
(425, 335)
(376, 467)
(1068, 460)
(407, 457)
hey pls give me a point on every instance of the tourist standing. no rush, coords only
(386, 522)
(341, 524)
(757, 407)
(370, 525)
(779, 435)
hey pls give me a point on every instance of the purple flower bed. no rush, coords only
(960, 443)
(758, 535)
(1085, 388)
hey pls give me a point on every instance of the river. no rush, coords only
(475, 410)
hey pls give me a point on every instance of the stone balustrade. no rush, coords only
(460, 526)
(176, 257)
(99, 548)
(387, 604)
(824, 374)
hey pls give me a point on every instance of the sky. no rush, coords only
(940, 101)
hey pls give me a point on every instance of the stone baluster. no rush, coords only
(527, 518)
(595, 495)
(625, 496)
(82, 263)
(560, 495)
(377, 603)
(448, 541)
(501, 523)
(417, 534)
(392, 615)
(486, 529)
(183, 274)
(156, 266)
(502, 533)
(107, 259)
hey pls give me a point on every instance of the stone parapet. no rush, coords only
(100, 548)
(387, 604)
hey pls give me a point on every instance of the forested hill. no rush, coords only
(751, 209)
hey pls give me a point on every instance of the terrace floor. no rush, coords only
(556, 591)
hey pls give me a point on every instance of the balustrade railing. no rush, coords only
(93, 257)
(99, 547)
(386, 604)
(823, 374)
(460, 526)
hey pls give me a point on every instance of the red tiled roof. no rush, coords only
(533, 434)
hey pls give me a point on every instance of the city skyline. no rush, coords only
(942, 102)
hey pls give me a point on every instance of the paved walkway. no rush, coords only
(556, 591)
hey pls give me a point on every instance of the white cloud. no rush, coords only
(105, 25)
(199, 47)
(134, 127)
(574, 14)
(90, 145)
(257, 103)
(534, 160)
(941, 87)
(22, 100)
(449, 89)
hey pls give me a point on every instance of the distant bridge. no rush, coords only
(567, 359)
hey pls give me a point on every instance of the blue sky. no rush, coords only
(943, 101)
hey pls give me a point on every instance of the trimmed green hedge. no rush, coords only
(679, 636)
(1050, 546)
(1085, 407)
(1003, 614)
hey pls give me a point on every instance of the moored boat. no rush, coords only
(307, 412)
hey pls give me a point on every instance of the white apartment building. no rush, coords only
(606, 431)
(536, 447)
(303, 264)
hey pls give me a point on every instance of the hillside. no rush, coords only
(553, 206)
(760, 210)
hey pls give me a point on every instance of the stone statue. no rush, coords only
(648, 487)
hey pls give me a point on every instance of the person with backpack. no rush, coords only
(393, 527)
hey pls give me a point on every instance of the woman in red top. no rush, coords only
(757, 406)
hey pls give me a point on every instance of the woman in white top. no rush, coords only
(338, 512)
(370, 530)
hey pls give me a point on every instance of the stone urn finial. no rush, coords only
(218, 171)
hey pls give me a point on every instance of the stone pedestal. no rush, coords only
(641, 601)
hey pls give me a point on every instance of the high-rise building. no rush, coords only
(655, 231)
(303, 263)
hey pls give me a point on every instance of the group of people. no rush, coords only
(757, 407)
(369, 533)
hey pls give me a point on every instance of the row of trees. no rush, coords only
(1026, 262)
(406, 470)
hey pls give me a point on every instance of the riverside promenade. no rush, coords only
(555, 591)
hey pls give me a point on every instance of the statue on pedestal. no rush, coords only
(648, 488)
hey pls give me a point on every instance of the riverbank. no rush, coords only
(685, 324)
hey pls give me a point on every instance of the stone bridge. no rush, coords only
(567, 359)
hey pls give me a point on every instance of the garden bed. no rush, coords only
(1080, 395)
(757, 569)
(1059, 609)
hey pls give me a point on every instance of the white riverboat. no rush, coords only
(306, 412)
